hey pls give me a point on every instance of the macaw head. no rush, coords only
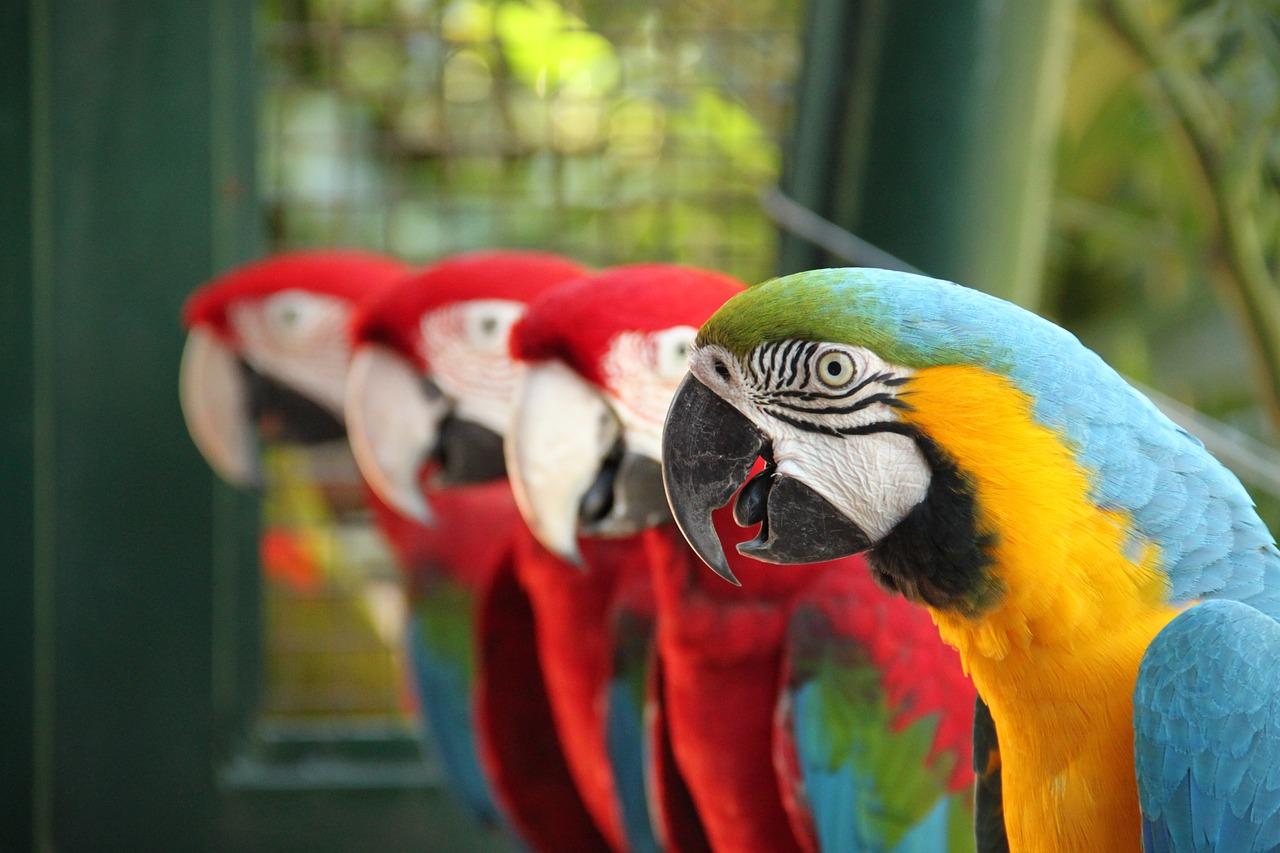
(975, 451)
(432, 379)
(604, 357)
(267, 353)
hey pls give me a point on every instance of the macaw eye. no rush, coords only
(489, 329)
(488, 322)
(835, 368)
(671, 351)
(294, 319)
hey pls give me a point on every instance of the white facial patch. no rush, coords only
(642, 371)
(465, 346)
(822, 406)
(298, 339)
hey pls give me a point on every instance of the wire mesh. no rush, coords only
(609, 131)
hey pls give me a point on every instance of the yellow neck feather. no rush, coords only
(1056, 658)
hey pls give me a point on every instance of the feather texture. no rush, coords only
(875, 716)
(1207, 725)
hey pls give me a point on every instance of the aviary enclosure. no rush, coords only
(1112, 164)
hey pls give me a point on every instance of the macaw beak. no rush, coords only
(708, 451)
(570, 470)
(215, 403)
(393, 423)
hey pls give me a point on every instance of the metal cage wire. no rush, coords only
(611, 132)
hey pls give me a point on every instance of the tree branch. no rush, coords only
(1256, 293)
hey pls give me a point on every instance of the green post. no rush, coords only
(17, 575)
(109, 218)
(927, 127)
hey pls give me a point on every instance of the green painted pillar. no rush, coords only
(126, 184)
(928, 128)
(17, 567)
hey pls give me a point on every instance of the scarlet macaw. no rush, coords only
(265, 363)
(427, 404)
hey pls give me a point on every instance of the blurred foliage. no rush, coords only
(1142, 264)
(333, 612)
(626, 131)
(610, 131)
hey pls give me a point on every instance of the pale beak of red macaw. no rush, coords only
(215, 402)
(394, 417)
(569, 464)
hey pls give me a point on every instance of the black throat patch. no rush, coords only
(937, 555)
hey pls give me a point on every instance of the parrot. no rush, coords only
(427, 403)
(1108, 584)
(807, 711)
(264, 366)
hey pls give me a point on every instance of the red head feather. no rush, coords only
(577, 321)
(347, 275)
(393, 318)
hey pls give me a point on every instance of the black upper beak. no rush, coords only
(708, 450)
(625, 498)
(282, 414)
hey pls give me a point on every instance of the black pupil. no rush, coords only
(721, 370)
(834, 368)
(488, 325)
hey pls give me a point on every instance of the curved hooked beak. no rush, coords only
(393, 423)
(215, 401)
(708, 451)
(570, 470)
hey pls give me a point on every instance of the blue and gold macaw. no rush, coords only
(1108, 584)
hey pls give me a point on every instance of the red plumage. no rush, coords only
(573, 609)
(348, 275)
(392, 317)
(480, 543)
(577, 321)
(723, 650)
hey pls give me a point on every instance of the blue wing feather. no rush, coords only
(845, 799)
(625, 732)
(1207, 732)
(445, 690)
(629, 758)
(855, 778)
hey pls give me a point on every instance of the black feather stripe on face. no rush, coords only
(937, 555)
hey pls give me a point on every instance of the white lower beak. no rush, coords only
(215, 404)
(392, 426)
(561, 432)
